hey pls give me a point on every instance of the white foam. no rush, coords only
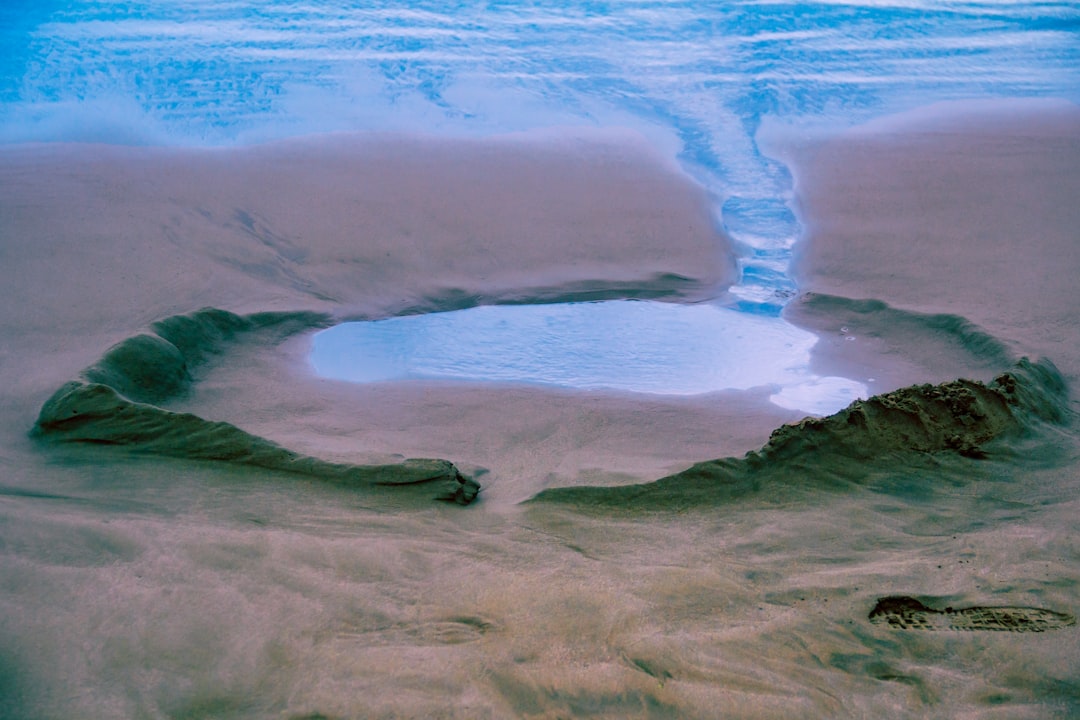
(820, 395)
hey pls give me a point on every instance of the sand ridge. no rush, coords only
(115, 402)
(903, 427)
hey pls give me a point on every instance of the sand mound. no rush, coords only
(960, 417)
(115, 402)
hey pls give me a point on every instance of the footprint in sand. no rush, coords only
(446, 631)
(907, 613)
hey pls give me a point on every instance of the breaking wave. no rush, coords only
(116, 401)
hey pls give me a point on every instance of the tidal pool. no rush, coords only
(624, 345)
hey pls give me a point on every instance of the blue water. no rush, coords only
(698, 77)
(632, 346)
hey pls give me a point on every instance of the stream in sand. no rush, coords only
(699, 80)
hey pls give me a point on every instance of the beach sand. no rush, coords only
(138, 578)
(969, 211)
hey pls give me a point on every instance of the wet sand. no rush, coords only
(969, 212)
(152, 585)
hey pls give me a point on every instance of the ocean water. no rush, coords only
(704, 75)
(699, 79)
(188, 527)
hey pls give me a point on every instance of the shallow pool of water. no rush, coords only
(627, 345)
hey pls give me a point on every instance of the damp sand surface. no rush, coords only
(140, 578)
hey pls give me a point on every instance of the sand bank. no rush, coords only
(101, 242)
(939, 245)
(148, 586)
(964, 211)
(918, 426)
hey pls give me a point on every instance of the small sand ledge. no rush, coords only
(116, 400)
(959, 417)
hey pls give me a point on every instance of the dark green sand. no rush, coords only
(115, 402)
(906, 613)
(908, 427)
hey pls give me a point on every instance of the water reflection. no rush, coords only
(634, 346)
(697, 78)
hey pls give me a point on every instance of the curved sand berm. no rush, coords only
(113, 403)
(898, 428)
(116, 402)
(99, 242)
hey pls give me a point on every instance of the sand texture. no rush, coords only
(907, 427)
(114, 403)
(970, 213)
(906, 613)
(193, 525)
